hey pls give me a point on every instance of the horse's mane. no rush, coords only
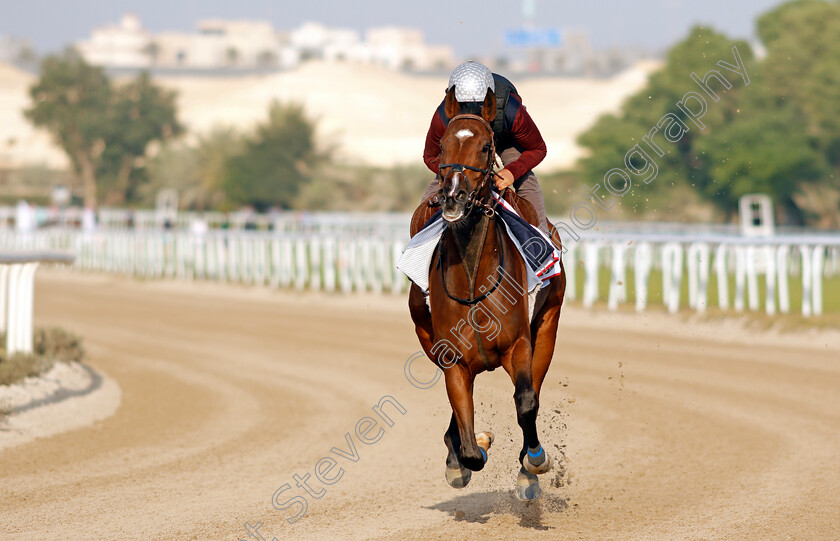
(471, 108)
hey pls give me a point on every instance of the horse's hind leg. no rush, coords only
(518, 364)
(533, 458)
(544, 331)
(543, 337)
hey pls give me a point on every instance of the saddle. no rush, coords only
(520, 204)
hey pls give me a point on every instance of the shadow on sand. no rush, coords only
(478, 507)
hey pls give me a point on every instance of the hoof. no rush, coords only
(485, 440)
(544, 462)
(527, 486)
(458, 477)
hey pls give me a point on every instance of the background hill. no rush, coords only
(372, 116)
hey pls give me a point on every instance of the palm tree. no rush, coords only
(152, 50)
(232, 56)
(267, 58)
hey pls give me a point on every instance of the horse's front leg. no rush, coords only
(456, 474)
(459, 388)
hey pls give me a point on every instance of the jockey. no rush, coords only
(518, 141)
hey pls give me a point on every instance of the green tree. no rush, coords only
(71, 100)
(197, 171)
(780, 135)
(276, 161)
(802, 70)
(215, 149)
(174, 166)
(764, 149)
(612, 136)
(103, 129)
(140, 113)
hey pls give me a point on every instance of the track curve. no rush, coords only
(660, 428)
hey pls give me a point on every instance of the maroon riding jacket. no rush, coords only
(519, 131)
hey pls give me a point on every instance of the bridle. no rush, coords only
(488, 171)
(473, 202)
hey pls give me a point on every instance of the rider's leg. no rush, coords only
(529, 189)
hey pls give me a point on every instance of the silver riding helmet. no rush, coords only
(471, 80)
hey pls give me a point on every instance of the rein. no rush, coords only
(476, 300)
(472, 202)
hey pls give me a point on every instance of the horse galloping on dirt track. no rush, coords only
(477, 275)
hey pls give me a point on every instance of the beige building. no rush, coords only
(314, 40)
(405, 48)
(390, 47)
(222, 44)
(122, 45)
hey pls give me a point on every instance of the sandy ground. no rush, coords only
(67, 397)
(670, 429)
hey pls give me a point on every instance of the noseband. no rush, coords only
(488, 171)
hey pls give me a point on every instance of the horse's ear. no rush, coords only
(488, 110)
(452, 106)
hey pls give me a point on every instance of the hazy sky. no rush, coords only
(471, 27)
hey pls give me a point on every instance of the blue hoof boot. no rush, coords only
(537, 463)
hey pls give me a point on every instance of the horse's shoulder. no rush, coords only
(422, 215)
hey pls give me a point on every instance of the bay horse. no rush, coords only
(477, 317)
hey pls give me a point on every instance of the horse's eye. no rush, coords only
(486, 148)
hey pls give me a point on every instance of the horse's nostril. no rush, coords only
(461, 196)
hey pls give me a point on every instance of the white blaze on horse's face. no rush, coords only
(455, 196)
(456, 184)
(453, 209)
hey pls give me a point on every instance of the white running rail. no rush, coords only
(763, 270)
(17, 288)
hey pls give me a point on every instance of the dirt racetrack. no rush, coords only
(670, 429)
